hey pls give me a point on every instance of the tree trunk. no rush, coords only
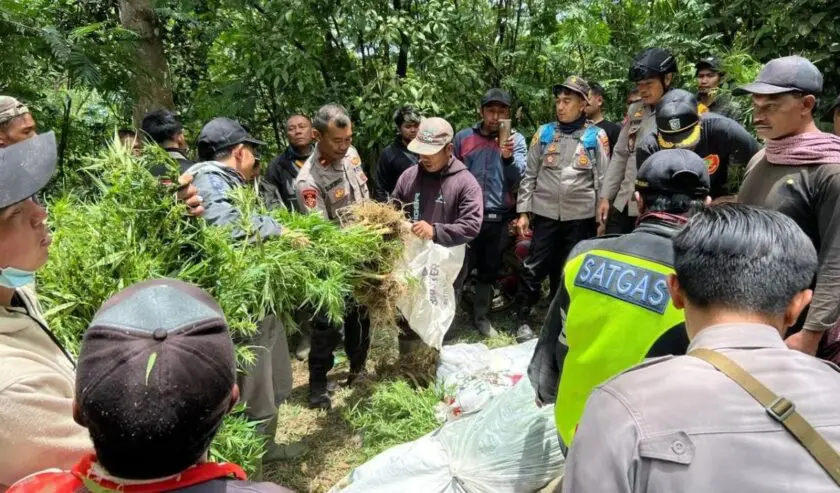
(152, 85)
(402, 60)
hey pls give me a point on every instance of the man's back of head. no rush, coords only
(736, 263)
(163, 127)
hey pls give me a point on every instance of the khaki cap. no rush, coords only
(433, 134)
(11, 108)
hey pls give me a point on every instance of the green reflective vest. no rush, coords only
(619, 307)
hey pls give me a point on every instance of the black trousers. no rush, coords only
(552, 242)
(487, 250)
(325, 338)
(620, 222)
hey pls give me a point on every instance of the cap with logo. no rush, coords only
(710, 62)
(221, 133)
(786, 74)
(26, 168)
(155, 375)
(432, 136)
(674, 171)
(11, 108)
(495, 95)
(574, 84)
(652, 62)
(677, 120)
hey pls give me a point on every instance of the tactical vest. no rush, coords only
(620, 306)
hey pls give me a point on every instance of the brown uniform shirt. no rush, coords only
(810, 195)
(620, 177)
(326, 188)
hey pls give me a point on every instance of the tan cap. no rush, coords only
(433, 134)
(11, 108)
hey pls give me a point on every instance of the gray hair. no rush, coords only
(744, 258)
(330, 113)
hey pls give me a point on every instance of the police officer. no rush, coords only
(709, 77)
(613, 308)
(332, 179)
(717, 139)
(653, 72)
(723, 417)
(560, 188)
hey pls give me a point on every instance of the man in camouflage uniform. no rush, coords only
(330, 180)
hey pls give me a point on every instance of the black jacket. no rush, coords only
(613, 130)
(394, 160)
(281, 173)
(722, 141)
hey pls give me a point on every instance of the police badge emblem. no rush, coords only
(674, 123)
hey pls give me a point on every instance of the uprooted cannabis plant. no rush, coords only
(127, 227)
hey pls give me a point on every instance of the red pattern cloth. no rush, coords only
(83, 475)
(804, 149)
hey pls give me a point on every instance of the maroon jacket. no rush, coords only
(451, 201)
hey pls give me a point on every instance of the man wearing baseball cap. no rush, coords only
(440, 196)
(719, 140)
(798, 173)
(558, 195)
(37, 378)
(613, 309)
(498, 168)
(231, 159)
(16, 122)
(710, 75)
(156, 377)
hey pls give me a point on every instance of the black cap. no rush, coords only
(154, 379)
(574, 84)
(26, 168)
(674, 171)
(652, 62)
(709, 62)
(786, 74)
(677, 119)
(829, 114)
(495, 95)
(221, 133)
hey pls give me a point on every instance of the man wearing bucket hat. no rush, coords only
(558, 195)
(37, 376)
(719, 140)
(798, 174)
(441, 197)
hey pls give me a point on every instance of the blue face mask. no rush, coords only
(15, 278)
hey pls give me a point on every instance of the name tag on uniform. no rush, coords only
(626, 282)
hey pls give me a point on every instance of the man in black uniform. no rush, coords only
(709, 78)
(717, 139)
(396, 158)
(595, 113)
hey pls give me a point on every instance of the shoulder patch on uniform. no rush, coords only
(630, 283)
(536, 137)
(310, 197)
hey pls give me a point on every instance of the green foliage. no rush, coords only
(238, 442)
(394, 413)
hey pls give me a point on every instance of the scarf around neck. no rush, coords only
(804, 149)
(571, 127)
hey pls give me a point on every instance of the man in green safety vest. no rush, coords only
(613, 309)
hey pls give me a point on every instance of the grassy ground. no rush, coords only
(364, 421)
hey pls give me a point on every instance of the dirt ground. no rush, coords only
(334, 448)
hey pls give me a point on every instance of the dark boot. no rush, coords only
(319, 396)
(481, 307)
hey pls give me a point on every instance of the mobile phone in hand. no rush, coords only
(504, 131)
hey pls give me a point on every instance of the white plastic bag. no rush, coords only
(509, 447)
(429, 302)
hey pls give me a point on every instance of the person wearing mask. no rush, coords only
(613, 309)
(720, 141)
(230, 159)
(332, 179)
(156, 377)
(653, 72)
(284, 169)
(740, 411)
(558, 194)
(798, 174)
(396, 158)
(37, 378)
(164, 128)
(709, 78)
(441, 198)
(595, 114)
(498, 168)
